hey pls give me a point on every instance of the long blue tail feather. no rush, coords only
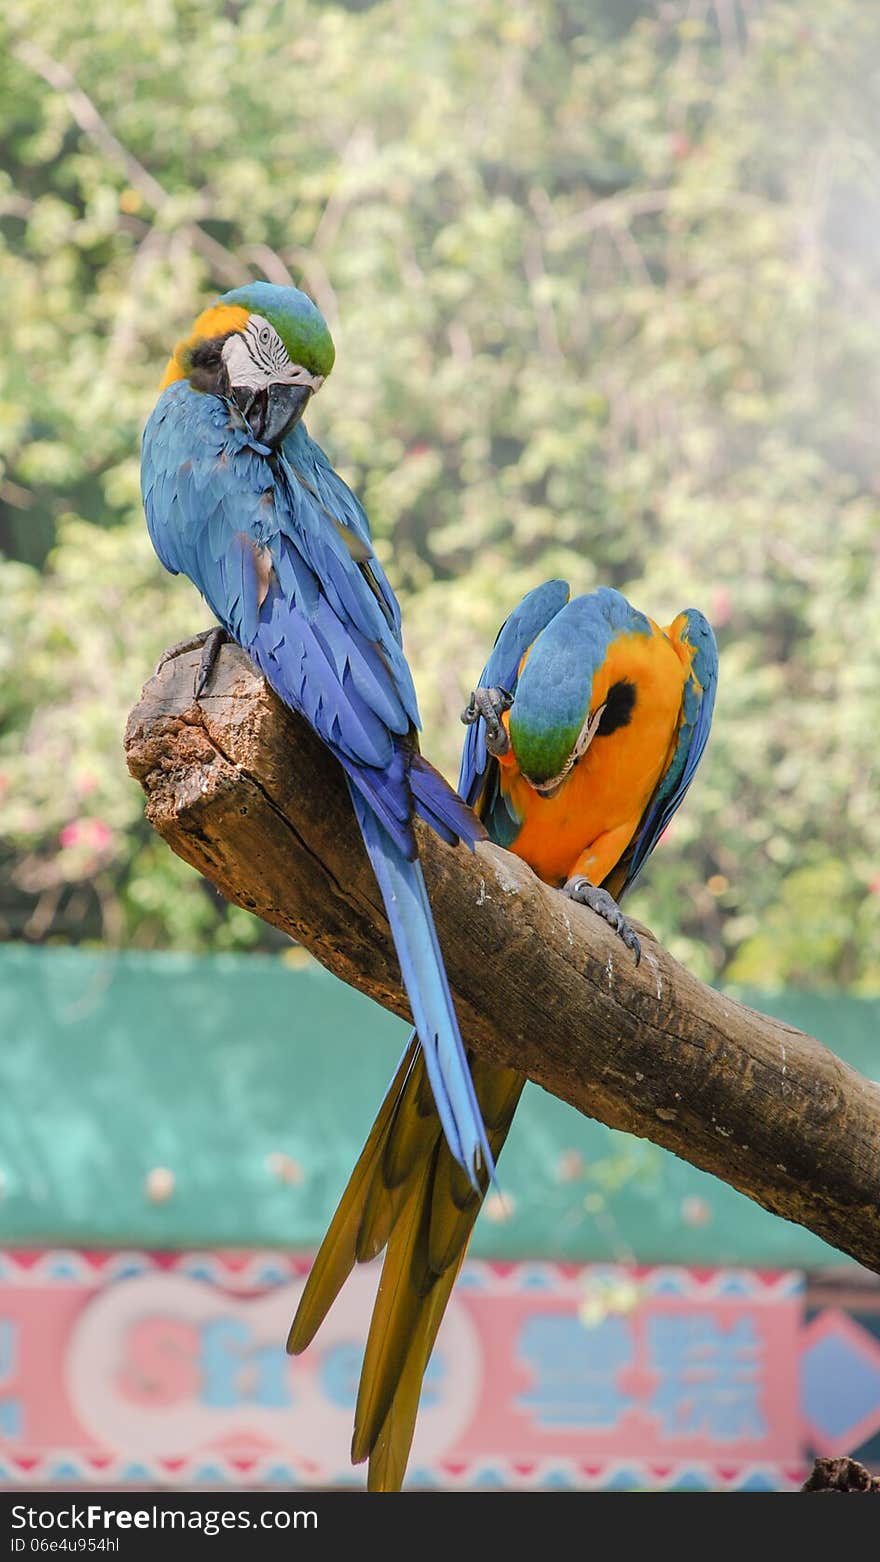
(421, 963)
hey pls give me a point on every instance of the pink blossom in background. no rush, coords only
(722, 604)
(91, 833)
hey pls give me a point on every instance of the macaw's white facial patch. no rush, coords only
(257, 357)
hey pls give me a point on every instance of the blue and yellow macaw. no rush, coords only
(583, 738)
(240, 499)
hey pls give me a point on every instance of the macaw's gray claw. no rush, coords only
(194, 643)
(491, 705)
(605, 906)
(214, 640)
(208, 641)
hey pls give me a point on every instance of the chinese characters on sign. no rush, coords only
(144, 1367)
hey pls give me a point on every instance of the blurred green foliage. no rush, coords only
(603, 279)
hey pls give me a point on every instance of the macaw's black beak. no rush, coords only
(273, 411)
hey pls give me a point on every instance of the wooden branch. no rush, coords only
(245, 792)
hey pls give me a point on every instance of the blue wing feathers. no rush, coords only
(343, 505)
(440, 807)
(521, 628)
(699, 704)
(362, 683)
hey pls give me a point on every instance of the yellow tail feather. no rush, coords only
(390, 1452)
(406, 1191)
(337, 1255)
(395, 1315)
(413, 1294)
(410, 1138)
(454, 1204)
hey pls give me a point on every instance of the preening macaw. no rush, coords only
(240, 499)
(582, 740)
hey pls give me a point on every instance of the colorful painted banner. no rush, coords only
(137, 1368)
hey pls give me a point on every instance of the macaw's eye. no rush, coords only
(265, 335)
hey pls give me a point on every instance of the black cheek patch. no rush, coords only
(619, 706)
(204, 364)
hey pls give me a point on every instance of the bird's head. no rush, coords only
(569, 692)
(265, 349)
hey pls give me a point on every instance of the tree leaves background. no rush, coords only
(603, 280)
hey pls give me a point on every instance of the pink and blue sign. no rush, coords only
(142, 1368)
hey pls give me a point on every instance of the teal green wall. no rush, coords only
(113, 1065)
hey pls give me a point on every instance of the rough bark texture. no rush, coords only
(841, 1475)
(245, 792)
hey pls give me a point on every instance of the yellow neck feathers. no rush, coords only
(215, 321)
